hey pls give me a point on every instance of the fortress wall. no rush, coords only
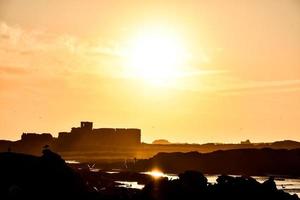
(34, 137)
(86, 138)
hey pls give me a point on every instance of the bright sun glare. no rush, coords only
(155, 173)
(157, 56)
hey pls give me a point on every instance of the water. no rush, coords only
(290, 185)
(72, 162)
(130, 184)
(157, 174)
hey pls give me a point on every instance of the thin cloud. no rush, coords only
(263, 87)
(15, 39)
(13, 70)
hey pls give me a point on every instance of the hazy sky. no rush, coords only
(66, 61)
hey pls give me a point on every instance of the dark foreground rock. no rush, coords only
(49, 177)
(193, 185)
(30, 177)
(254, 162)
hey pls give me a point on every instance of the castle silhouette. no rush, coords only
(108, 143)
(85, 137)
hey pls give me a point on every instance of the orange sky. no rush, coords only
(63, 61)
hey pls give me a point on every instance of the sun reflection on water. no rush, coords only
(155, 173)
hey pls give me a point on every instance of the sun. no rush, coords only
(157, 56)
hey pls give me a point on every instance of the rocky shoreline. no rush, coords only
(50, 177)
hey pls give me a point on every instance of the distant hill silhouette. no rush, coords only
(86, 143)
(238, 161)
(161, 141)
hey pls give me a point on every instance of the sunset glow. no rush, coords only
(190, 71)
(148, 99)
(156, 56)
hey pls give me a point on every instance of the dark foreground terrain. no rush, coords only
(49, 177)
(252, 162)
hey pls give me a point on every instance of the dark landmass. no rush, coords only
(161, 141)
(30, 177)
(86, 144)
(259, 162)
(49, 177)
(193, 185)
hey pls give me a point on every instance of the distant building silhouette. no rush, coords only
(37, 138)
(86, 136)
(246, 142)
(117, 143)
(87, 125)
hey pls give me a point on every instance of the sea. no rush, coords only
(290, 185)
